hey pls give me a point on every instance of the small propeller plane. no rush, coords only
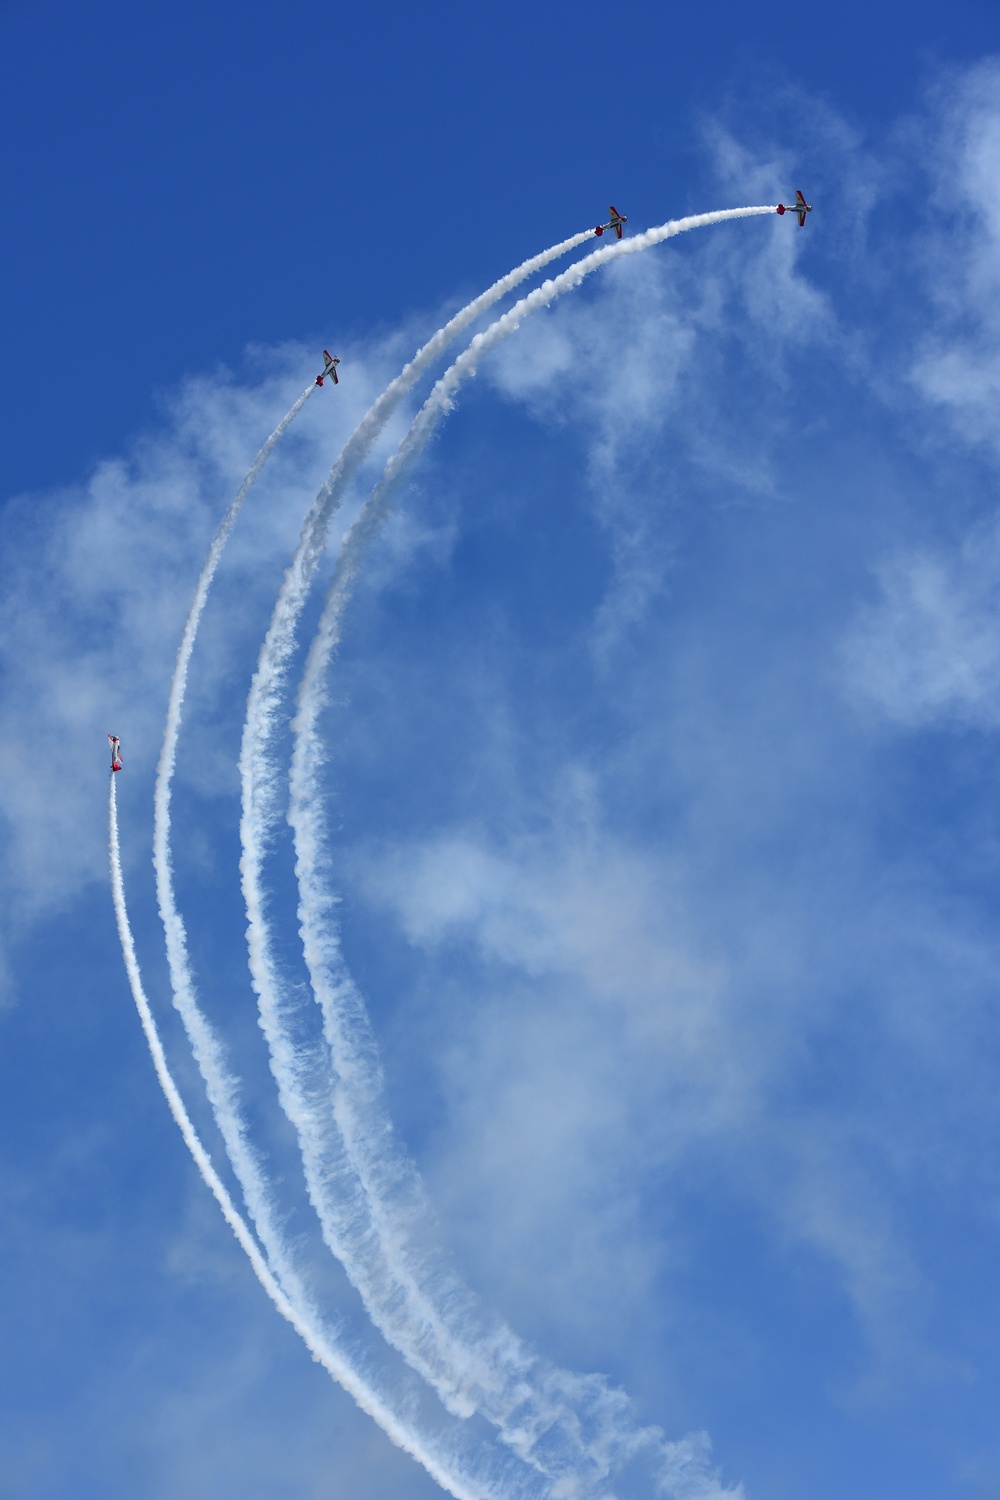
(617, 220)
(800, 207)
(116, 752)
(329, 368)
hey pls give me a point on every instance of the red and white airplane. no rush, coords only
(116, 752)
(800, 207)
(617, 220)
(329, 368)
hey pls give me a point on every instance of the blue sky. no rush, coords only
(661, 750)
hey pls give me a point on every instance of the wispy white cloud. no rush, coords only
(928, 650)
(923, 652)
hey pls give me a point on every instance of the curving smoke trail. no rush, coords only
(220, 1085)
(275, 1272)
(366, 1191)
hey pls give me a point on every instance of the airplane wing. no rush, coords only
(800, 201)
(333, 372)
(802, 218)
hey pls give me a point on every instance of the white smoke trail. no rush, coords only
(421, 1310)
(220, 1084)
(281, 1284)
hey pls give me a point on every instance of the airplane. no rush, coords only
(116, 752)
(329, 368)
(617, 220)
(800, 207)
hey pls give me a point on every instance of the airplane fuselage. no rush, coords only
(331, 361)
(617, 220)
(799, 207)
